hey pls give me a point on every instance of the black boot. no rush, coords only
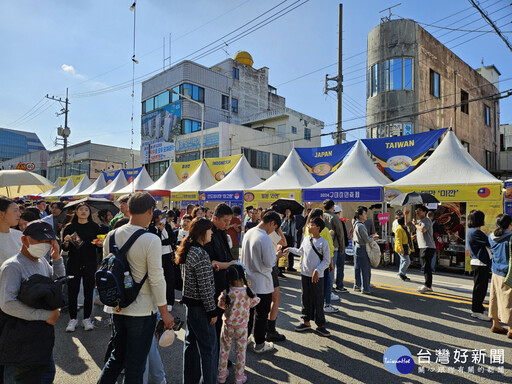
(272, 334)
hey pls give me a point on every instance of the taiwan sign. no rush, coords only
(398, 156)
(321, 162)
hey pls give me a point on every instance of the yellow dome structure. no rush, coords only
(244, 58)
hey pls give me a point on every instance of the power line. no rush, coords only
(491, 23)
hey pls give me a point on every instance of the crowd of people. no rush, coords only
(229, 283)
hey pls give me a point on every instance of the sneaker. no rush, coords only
(366, 292)
(291, 270)
(87, 324)
(323, 332)
(424, 289)
(72, 325)
(242, 380)
(275, 336)
(406, 278)
(302, 327)
(266, 347)
(402, 277)
(334, 297)
(328, 308)
(480, 316)
(222, 378)
(342, 290)
(357, 289)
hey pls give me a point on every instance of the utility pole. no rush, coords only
(63, 132)
(338, 88)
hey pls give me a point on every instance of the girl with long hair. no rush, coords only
(200, 346)
(82, 261)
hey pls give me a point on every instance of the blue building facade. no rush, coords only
(18, 143)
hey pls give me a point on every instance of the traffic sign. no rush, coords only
(21, 166)
(30, 166)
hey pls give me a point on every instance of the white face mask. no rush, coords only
(39, 250)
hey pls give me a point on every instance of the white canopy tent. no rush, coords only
(62, 191)
(118, 183)
(80, 187)
(165, 183)
(141, 182)
(200, 180)
(96, 186)
(241, 177)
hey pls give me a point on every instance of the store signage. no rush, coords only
(398, 156)
(190, 143)
(447, 193)
(366, 194)
(235, 196)
(321, 162)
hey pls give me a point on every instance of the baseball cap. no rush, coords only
(337, 209)
(40, 230)
(157, 213)
(167, 338)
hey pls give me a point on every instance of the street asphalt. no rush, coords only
(364, 328)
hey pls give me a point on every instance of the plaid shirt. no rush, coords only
(197, 276)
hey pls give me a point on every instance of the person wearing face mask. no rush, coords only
(34, 360)
(77, 239)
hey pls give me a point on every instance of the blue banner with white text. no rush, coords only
(110, 176)
(321, 162)
(363, 194)
(398, 156)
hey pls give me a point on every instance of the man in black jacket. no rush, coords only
(220, 254)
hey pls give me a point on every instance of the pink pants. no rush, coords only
(227, 336)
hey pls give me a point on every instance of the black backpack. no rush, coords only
(110, 275)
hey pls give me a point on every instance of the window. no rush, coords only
(435, 84)
(394, 67)
(407, 129)
(490, 160)
(408, 73)
(466, 146)
(464, 101)
(156, 170)
(281, 130)
(189, 156)
(294, 130)
(189, 126)
(225, 102)
(148, 105)
(307, 134)
(236, 73)
(174, 94)
(390, 75)
(234, 105)
(277, 161)
(213, 152)
(487, 115)
(195, 92)
(162, 100)
(257, 159)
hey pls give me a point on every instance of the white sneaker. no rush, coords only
(334, 297)
(87, 324)
(72, 325)
(328, 308)
(481, 316)
(267, 346)
(424, 289)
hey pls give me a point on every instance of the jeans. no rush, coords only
(312, 303)
(200, 356)
(362, 268)
(426, 255)
(259, 317)
(132, 340)
(154, 372)
(481, 280)
(85, 273)
(329, 279)
(405, 261)
(340, 269)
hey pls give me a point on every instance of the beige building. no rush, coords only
(414, 82)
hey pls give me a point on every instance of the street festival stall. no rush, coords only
(79, 188)
(287, 182)
(98, 185)
(188, 191)
(356, 182)
(140, 183)
(230, 189)
(68, 186)
(162, 187)
(462, 185)
(115, 181)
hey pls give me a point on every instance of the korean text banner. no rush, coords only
(180, 196)
(63, 180)
(363, 194)
(270, 196)
(185, 169)
(110, 175)
(398, 156)
(323, 161)
(456, 193)
(131, 174)
(158, 130)
(221, 166)
(77, 178)
(231, 196)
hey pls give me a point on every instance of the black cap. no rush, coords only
(40, 201)
(40, 230)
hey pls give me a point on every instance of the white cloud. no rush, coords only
(68, 68)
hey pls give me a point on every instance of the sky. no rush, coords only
(87, 46)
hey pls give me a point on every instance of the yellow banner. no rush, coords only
(270, 196)
(446, 193)
(179, 196)
(185, 169)
(77, 178)
(63, 180)
(221, 166)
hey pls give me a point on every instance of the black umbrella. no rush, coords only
(281, 205)
(413, 198)
(96, 204)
